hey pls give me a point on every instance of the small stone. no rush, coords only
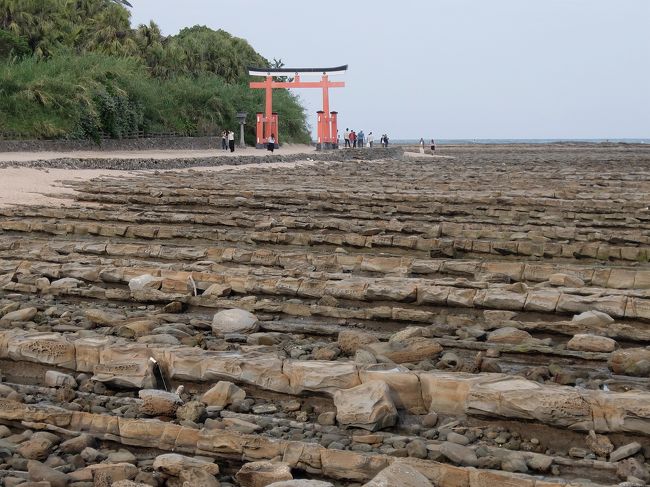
(192, 411)
(457, 438)
(327, 418)
(459, 454)
(430, 420)
(632, 467)
(195, 477)
(265, 409)
(417, 449)
(514, 463)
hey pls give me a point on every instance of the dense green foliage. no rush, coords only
(76, 68)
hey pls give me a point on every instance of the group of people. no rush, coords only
(228, 140)
(433, 145)
(353, 139)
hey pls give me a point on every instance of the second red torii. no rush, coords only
(267, 123)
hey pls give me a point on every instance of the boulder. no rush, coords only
(234, 321)
(591, 343)
(104, 318)
(263, 473)
(408, 332)
(66, 283)
(59, 379)
(509, 335)
(459, 454)
(146, 281)
(128, 483)
(35, 448)
(301, 483)
(565, 280)
(25, 314)
(631, 467)
(192, 411)
(600, 445)
(159, 403)
(104, 474)
(625, 451)
(38, 472)
(631, 361)
(401, 475)
(174, 464)
(350, 340)
(236, 424)
(77, 444)
(593, 318)
(409, 350)
(196, 477)
(223, 393)
(368, 406)
(217, 290)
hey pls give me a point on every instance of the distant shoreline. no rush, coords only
(518, 141)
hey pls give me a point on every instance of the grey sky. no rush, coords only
(453, 68)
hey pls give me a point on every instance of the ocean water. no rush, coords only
(518, 141)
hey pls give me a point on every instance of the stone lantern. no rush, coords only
(241, 118)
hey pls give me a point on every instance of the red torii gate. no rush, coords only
(267, 123)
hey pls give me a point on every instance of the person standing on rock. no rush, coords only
(270, 145)
(224, 140)
(346, 137)
(353, 139)
(360, 138)
(421, 145)
(433, 145)
(231, 140)
(371, 139)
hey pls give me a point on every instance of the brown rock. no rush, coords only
(262, 474)
(39, 472)
(368, 406)
(159, 403)
(223, 393)
(350, 340)
(401, 475)
(174, 464)
(591, 343)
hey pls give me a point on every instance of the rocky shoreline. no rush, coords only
(470, 322)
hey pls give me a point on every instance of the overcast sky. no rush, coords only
(453, 68)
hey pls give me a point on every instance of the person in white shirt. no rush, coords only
(270, 143)
(231, 140)
(370, 139)
(346, 137)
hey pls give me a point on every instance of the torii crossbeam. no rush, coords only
(267, 123)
